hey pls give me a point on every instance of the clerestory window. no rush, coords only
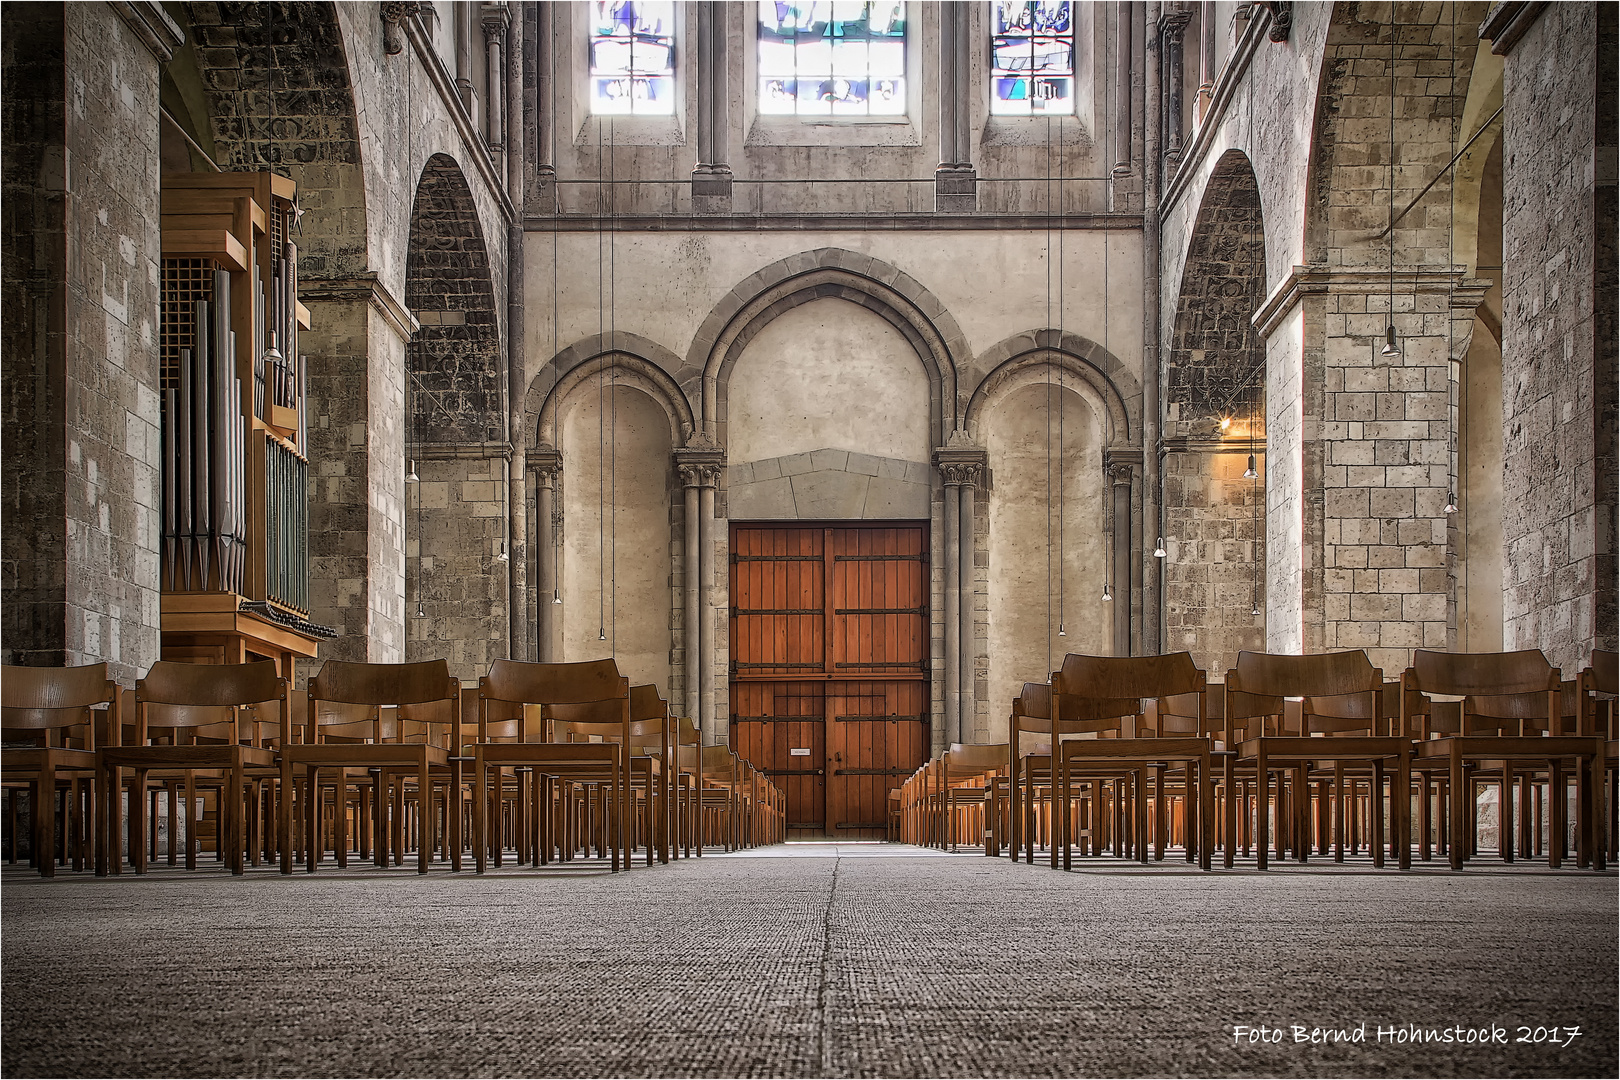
(832, 58)
(632, 58)
(1031, 58)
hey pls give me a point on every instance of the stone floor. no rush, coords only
(810, 960)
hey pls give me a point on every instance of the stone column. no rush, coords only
(540, 96)
(954, 179)
(1122, 89)
(698, 465)
(1206, 57)
(711, 180)
(545, 463)
(494, 21)
(1120, 564)
(961, 465)
(951, 518)
(1172, 24)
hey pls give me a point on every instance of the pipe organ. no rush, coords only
(235, 562)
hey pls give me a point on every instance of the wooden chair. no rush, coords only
(646, 747)
(1142, 740)
(688, 780)
(52, 709)
(515, 684)
(1031, 732)
(1510, 722)
(395, 746)
(1336, 715)
(966, 784)
(1599, 690)
(192, 701)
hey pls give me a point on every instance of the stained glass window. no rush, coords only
(633, 57)
(832, 58)
(1032, 58)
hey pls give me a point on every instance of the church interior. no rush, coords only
(1152, 594)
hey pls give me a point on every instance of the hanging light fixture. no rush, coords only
(1391, 347)
(502, 556)
(1108, 593)
(410, 474)
(421, 612)
(1158, 548)
(1250, 473)
(1451, 502)
(556, 595)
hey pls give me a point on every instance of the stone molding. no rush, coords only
(1204, 138)
(445, 85)
(160, 34)
(1303, 281)
(628, 353)
(830, 222)
(698, 474)
(366, 288)
(393, 13)
(1507, 22)
(461, 451)
(1082, 357)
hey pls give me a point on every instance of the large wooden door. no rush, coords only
(829, 667)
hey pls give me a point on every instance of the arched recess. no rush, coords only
(457, 545)
(826, 273)
(642, 361)
(1111, 387)
(611, 425)
(1215, 420)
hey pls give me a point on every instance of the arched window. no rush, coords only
(832, 58)
(633, 57)
(1032, 58)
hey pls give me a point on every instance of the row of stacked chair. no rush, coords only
(543, 762)
(1290, 756)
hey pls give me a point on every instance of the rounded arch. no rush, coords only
(1100, 378)
(285, 102)
(1215, 366)
(586, 359)
(894, 296)
(456, 363)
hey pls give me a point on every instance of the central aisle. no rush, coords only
(803, 960)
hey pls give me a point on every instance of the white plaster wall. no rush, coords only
(1024, 574)
(993, 283)
(635, 544)
(828, 374)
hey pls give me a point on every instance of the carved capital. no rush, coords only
(1171, 26)
(546, 464)
(393, 13)
(961, 464)
(699, 474)
(495, 19)
(1121, 472)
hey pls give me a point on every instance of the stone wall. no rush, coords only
(81, 272)
(1558, 356)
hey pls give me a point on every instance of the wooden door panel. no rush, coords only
(831, 624)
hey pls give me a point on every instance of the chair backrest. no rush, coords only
(350, 693)
(1509, 693)
(1134, 677)
(1342, 691)
(180, 695)
(965, 760)
(1605, 671)
(50, 701)
(545, 684)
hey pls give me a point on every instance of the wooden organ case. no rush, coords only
(235, 555)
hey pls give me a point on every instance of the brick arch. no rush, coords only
(280, 98)
(825, 273)
(456, 366)
(631, 360)
(1346, 208)
(1216, 362)
(1108, 382)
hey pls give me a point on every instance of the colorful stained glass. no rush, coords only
(633, 58)
(832, 58)
(1032, 58)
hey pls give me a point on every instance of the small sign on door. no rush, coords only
(798, 751)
